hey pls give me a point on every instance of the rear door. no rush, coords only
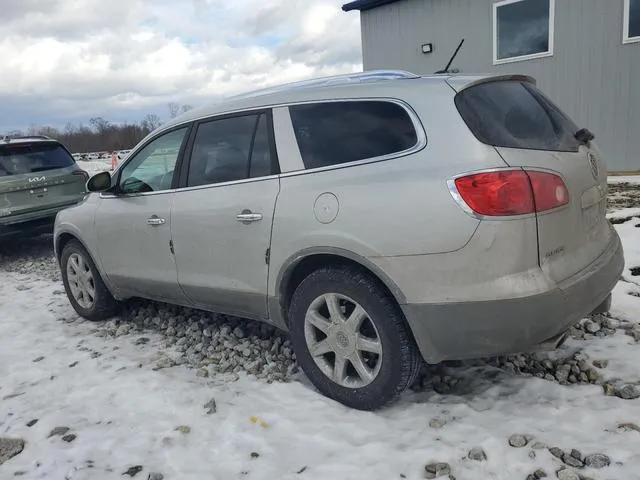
(37, 175)
(221, 220)
(529, 131)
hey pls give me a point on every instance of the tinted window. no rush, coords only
(338, 132)
(634, 19)
(522, 28)
(152, 168)
(20, 158)
(230, 149)
(517, 115)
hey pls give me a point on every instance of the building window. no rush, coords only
(522, 29)
(631, 21)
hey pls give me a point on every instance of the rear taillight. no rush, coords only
(82, 173)
(511, 192)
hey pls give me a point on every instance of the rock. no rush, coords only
(576, 454)
(238, 332)
(562, 373)
(133, 471)
(202, 373)
(31, 423)
(437, 422)
(597, 460)
(566, 474)
(539, 473)
(600, 363)
(629, 392)
(123, 329)
(58, 432)
(556, 452)
(627, 427)
(9, 448)
(73, 364)
(69, 437)
(38, 359)
(572, 461)
(155, 476)
(609, 390)
(435, 470)
(184, 429)
(517, 441)
(211, 406)
(532, 454)
(141, 341)
(591, 326)
(477, 454)
(254, 455)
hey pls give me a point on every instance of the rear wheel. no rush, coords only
(350, 338)
(87, 292)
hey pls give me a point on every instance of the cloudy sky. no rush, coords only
(70, 60)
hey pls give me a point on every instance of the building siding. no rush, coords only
(592, 75)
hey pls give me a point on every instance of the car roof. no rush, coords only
(374, 83)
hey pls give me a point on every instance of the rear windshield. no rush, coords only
(516, 115)
(21, 158)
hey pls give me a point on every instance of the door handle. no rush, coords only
(155, 220)
(247, 216)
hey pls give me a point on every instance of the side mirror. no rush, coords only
(99, 182)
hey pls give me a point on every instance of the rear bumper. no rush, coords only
(41, 221)
(453, 331)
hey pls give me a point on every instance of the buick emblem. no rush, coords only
(593, 163)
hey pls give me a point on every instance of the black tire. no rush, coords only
(104, 305)
(401, 360)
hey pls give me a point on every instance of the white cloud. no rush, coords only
(69, 59)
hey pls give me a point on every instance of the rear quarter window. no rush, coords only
(516, 115)
(334, 133)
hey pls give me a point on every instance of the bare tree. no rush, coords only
(186, 108)
(151, 122)
(174, 109)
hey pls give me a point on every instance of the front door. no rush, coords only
(221, 220)
(134, 223)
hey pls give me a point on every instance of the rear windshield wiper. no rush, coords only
(584, 135)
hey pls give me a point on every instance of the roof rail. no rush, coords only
(8, 138)
(349, 78)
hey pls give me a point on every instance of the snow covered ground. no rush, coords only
(125, 412)
(94, 166)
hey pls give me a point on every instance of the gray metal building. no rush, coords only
(585, 54)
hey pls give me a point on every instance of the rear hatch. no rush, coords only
(531, 132)
(36, 176)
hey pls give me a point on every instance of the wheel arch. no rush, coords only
(300, 265)
(63, 238)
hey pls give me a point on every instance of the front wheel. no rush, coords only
(350, 338)
(85, 289)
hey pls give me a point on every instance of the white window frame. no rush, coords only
(625, 25)
(521, 58)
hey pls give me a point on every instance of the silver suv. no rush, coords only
(382, 218)
(38, 178)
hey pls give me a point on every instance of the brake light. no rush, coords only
(511, 192)
(82, 174)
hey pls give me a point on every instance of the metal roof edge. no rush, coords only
(362, 5)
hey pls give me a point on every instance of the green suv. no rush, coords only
(38, 178)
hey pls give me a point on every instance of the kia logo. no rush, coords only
(37, 179)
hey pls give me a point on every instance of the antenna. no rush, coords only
(446, 69)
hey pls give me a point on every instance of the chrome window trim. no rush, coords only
(421, 142)
(421, 136)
